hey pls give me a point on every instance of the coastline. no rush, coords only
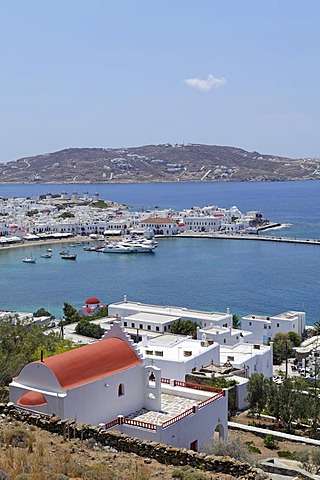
(32, 243)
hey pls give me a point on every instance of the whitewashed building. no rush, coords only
(178, 355)
(108, 383)
(264, 328)
(127, 308)
(160, 225)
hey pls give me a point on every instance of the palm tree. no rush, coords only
(236, 323)
(316, 328)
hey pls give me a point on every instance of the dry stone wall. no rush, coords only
(125, 443)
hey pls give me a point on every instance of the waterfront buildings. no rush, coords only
(85, 215)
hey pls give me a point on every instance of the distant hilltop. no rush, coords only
(157, 163)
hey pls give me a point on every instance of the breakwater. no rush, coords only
(249, 236)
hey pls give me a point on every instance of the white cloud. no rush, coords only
(205, 84)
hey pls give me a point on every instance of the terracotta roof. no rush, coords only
(91, 362)
(157, 220)
(32, 399)
(92, 301)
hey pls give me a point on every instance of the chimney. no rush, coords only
(41, 356)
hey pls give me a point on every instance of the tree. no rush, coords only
(21, 343)
(236, 323)
(282, 348)
(70, 314)
(89, 329)
(287, 403)
(184, 327)
(295, 339)
(42, 312)
(316, 328)
(258, 392)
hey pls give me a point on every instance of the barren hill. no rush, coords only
(157, 163)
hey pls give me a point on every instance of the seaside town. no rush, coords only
(49, 217)
(194, 369)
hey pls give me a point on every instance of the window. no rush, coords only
(141, 326)
(132, 325)
(125, 324)
(250, 323)
(157, 329)
(121, 390)
(149, 327)
(158, 353)
(278, 325)
(149, 352)
(224, 340)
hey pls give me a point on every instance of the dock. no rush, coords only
(249, 236)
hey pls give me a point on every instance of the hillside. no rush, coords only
(157, 163)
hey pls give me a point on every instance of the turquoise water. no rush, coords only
(247, 277)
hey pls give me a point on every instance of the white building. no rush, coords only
(252, 358)
(264, 328)
(160, 225)
(224, 335)
(108, 383)
(178, 355)
(203, 223)
(204, 319)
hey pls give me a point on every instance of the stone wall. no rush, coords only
(124, 443)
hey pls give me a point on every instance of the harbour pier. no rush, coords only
(249, 236)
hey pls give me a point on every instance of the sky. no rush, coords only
(125, 73)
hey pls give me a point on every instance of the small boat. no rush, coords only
(69, 256)
(46, 255)
(29, 260)
(73, 245)
(49, 249)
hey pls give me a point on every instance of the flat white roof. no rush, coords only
(240, 352)
(173, 348)
(151, 317)
(171, 310)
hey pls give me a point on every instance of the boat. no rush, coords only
(29, 260)
(46, 255)
(117, 248)
(73, 245)
(68, 256)
(140, 246)
(49, 249)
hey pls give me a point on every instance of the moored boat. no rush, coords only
(29, 260)
(46, 255)
(69, 256)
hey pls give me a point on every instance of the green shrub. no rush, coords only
(252, 448)
(270, 442)
(286, 454)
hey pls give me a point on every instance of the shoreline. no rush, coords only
(37, 243)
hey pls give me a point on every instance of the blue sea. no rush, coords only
(248, 277)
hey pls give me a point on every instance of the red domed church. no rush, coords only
(91, 307)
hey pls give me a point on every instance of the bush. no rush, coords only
(252, 448)
(270, 442)
(287, 454)
(18, 437)
(233, 447)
